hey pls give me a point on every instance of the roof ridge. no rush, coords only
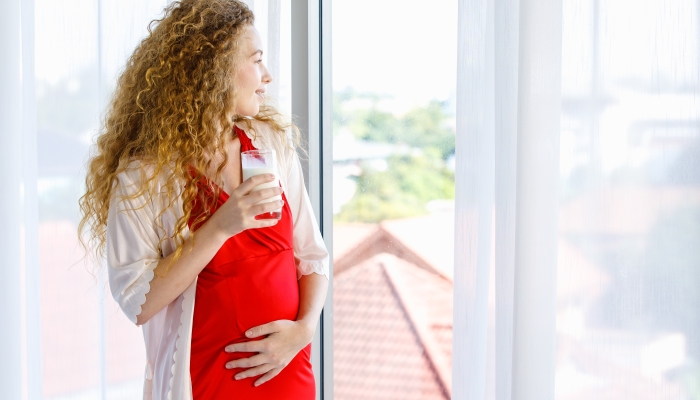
(353, 256)
(434, 355)
(414, 256)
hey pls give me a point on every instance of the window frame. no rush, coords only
(311, 108)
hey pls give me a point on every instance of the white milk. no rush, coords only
(248, 172)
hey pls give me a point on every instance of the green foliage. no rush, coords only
(376, 126)
(402, 190)
(421, 127)
(409, 181)
(429, 126)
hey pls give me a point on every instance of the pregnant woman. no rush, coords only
(228, 301)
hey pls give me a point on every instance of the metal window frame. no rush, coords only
(311, 108)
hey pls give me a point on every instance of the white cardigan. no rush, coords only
(134, 232)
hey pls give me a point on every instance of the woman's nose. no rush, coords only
(266, 78)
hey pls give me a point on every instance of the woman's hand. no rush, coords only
(238, 212)
(284, 341)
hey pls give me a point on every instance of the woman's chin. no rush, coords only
(249, 111)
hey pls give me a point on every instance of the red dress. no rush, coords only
(252, 280)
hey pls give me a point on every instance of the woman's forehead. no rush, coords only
(252, 42)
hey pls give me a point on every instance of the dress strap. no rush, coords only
(246, 143)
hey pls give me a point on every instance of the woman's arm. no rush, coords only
(166, 286)
(312, 295)
(127, 227)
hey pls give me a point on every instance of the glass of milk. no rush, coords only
(256, 162)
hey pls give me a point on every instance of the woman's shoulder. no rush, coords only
(144, 169)
(264, 129)
(140, 176)
(265, 135)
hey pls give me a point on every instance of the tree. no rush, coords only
(421, 127)
(402, 190)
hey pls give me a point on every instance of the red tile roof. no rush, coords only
(426, 241)
(430, 237)
(427, 300)
(346, 238)
(380, 349)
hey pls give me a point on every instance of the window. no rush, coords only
(393, 198)
(622, 318)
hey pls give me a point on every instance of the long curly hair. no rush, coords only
(173, 105)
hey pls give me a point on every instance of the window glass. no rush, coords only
(394, 79)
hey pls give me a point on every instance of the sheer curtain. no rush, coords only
(578, 200)
(62, 336)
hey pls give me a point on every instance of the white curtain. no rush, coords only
(62, 336)
(19, 333)
(507, 180)
(578, 200)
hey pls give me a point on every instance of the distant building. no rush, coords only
(351, 155)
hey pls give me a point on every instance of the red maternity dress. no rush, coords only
(252, 280)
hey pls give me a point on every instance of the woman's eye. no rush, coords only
(259, 61)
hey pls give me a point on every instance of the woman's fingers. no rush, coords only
(283, 342)
(240, 210)
(263, 194)
(264, 329)
(249, 184)
(256, 346)
(249, 362)
(269, 375)
(259, 370)
(265, 207)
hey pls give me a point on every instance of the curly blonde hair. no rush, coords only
(172, 106)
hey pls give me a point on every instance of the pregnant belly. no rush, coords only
(237, 296)
(232, 298)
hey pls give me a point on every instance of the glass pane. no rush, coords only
(629, 284)
(394, 80)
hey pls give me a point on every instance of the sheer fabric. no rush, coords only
(577, 200)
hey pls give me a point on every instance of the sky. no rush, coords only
(404, 49)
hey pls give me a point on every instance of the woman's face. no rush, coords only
(251, 76)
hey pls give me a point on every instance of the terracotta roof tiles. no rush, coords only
(378, 353)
